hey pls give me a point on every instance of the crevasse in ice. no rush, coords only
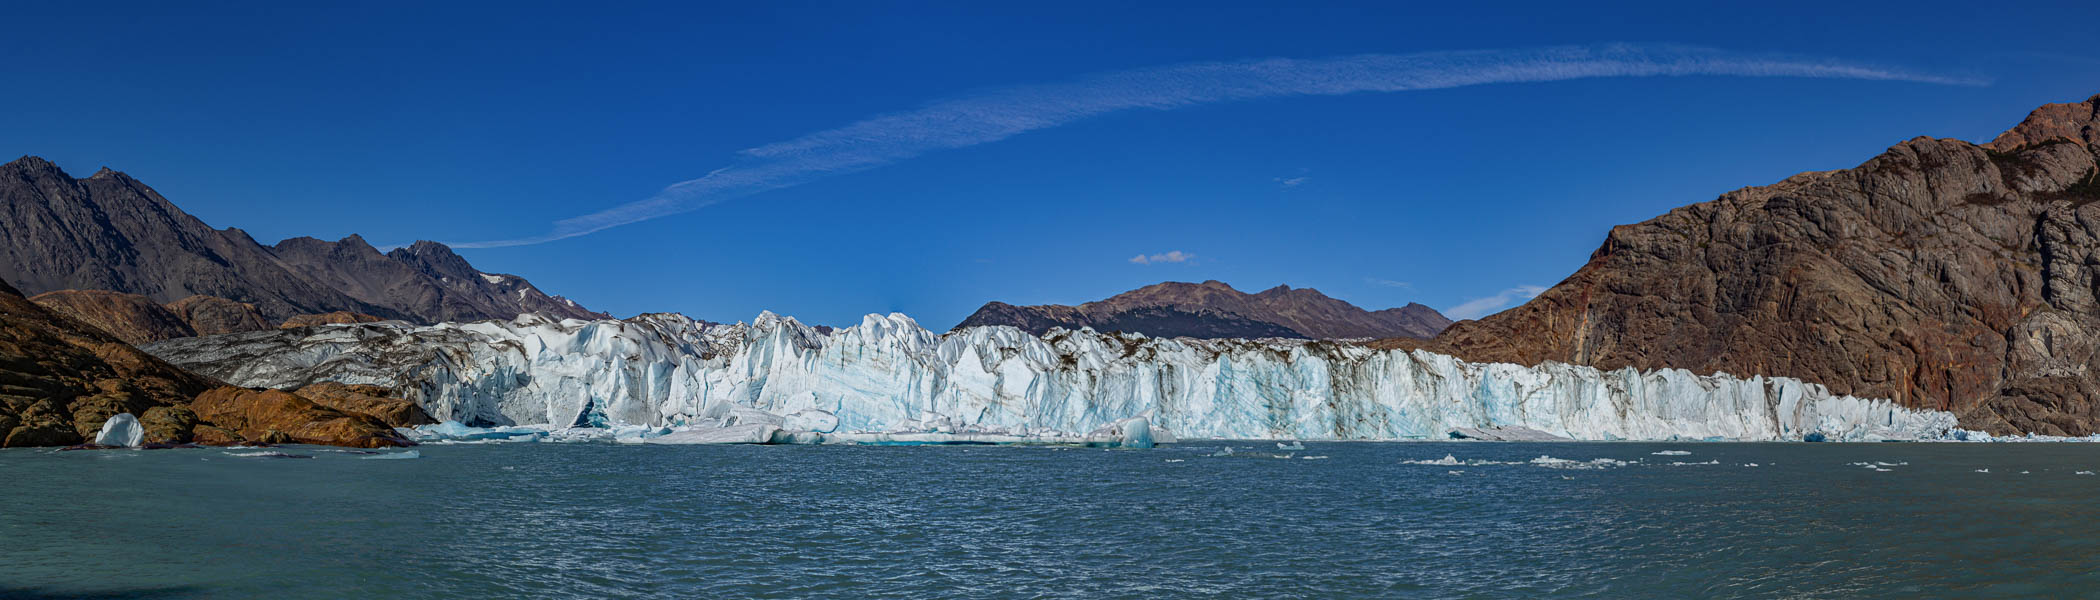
(888, 374)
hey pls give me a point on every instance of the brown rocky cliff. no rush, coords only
(275, 416)
(1941, 274)
(130, 317)
(60, 379)
(368, 400)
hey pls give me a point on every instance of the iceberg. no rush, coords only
(888, 380)
(122, 430)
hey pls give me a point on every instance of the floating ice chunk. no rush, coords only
(1312, 458)
(1983, 470)
(122, 430)
(1222, 451)
(1175, 460)
(395, 455)
(1671, 453)
(1446, 461)
(454, 431)
(1454, 472)
(1134, 432)
(1294, 445)
(1505, 434)
(1160, 435)
(761, 433)
(1562, 463)
(1691, 464)
(810, 419)
(2084, 473)
(268, 454)
(797, 438)
(1749, 464)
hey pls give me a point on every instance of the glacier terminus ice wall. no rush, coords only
(888, 374)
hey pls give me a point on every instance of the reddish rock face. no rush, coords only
(212, 315)
(60, 378)
(1941, 274)
(1213, 309)
(368, 400)
(274, 416)
(327, 319)
(130, 317)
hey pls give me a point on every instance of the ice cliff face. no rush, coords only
(889, 374)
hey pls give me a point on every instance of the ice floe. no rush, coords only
(122, 430)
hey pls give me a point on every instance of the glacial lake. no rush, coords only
(562, 520)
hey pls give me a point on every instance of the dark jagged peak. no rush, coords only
(112, 232)
(1214, 309)
(30, 163)
(434, 258)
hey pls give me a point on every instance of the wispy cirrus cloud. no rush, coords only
(1175, 256)
(1481, 307)
(996, 114)
(1387, 283)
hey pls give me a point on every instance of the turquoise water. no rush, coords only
(546, 520)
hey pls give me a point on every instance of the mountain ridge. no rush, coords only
(111, 232)
(1214, 309)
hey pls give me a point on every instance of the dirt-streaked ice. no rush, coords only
(888, 375)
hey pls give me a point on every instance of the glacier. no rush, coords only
(889, 380)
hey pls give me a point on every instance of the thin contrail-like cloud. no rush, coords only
(1000, 113)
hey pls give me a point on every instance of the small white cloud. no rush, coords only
(1481, 307)
(1387, 282)
(1292, 181)
(1175, 256)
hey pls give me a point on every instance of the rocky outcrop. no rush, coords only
(61, 379)
(1941, 274)
(279, 417)
(368, 400)
(132, 318)
(210, 315)
(1213, 309)
(111, 232)
(336, 317)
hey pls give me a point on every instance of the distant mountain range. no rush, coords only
(111, 232)
(1213, 309)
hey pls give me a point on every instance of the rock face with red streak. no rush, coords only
(274, 416)
(1941, 274)
(368, 400)
(212, 315)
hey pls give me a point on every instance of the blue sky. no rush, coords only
(470, 124)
